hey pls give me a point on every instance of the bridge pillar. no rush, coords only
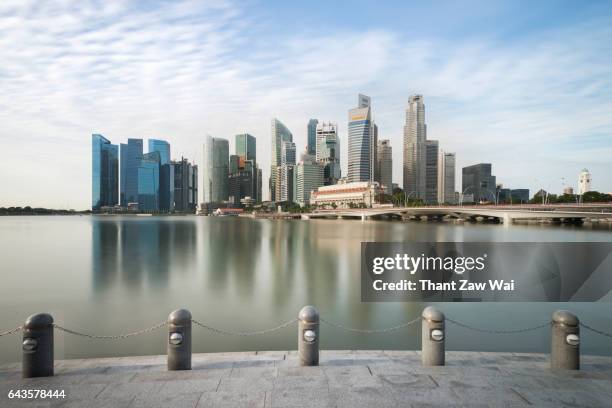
(363, 217)
(507, 220)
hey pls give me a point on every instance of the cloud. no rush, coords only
(180, 70)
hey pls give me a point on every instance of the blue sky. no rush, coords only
(526, 86)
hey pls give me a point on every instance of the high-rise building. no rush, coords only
(286, 171)
(246, 146)
(280, 134)
(478, 182)
(185, 186)
(166, 174)
(446, 178)
(104, 173)
(148, 182)
(415, 134)
(384, 166)
(216, 170)
(234, 163)
(131, 154)
(584, 182)
(308, 176)
(312, 136)
(328, 151)
(431, 171)
(361, 142)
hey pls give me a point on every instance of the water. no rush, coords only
(108, 275)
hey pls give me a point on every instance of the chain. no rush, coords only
(512, 331)
(595, 330)
(15, 330)
(255, 333)
(119, 336)
(371, 331)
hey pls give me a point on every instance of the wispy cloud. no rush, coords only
(539, 105)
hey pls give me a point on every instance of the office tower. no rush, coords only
(104, 172)
(446, 178)
(373, 151)
(415, 134)
(478, 182)
(216, 170)
(131, 154)
(280, 134)
(328, 151)
(361, 133)
(234, 163)
(431, 171)
(185, 186)
(584, 182)
(246, 146)
(308, 176)
(384, 166)
(148, 182)
(312, 136)
(286, 171)
(166, 174)
(240, 187)
(520, 194)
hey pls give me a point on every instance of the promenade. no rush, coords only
(343, 379)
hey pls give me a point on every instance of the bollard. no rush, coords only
(308, 336)
(38, 346)
(432, 337)
(179, 340)
(565, 347)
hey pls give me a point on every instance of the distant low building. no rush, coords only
(569, 190)
(347, 194)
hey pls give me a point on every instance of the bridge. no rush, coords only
(503, 214)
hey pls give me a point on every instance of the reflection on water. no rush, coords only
(108, 275)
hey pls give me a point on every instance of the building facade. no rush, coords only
(446, 178)
(185, 186)
(308, 176)
(345, 195)
(280, 134)
(215, 170)
(431, 171)
(246, 146)
(478, 182)
(361, 142)
(148, 182)
(166, 174)
(384, 166)
(584, 182)
(328, 151)
(104, 173)
(288, 154)
(312, 136)
(131, 154)
(415, 134)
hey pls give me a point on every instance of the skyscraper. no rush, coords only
(446, 178)
(328, 151)
(415, 134)
(280, 134)
(584, 182)
(104, 172)
(185, 186)
(131, 154)
(286, 171)
(148, 182)
(216, 170)
(308, 176)
(246, 146)
(312, 136)
(478, 182)
(431, 171)
(384, 166)
(360, 135)
(166, 174)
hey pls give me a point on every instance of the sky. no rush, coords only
(526, 86)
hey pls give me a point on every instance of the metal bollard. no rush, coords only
(308, 336)
(179, 340)
(432, 337)
(38, 346)
(565, 347)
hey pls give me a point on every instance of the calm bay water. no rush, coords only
(107, 275)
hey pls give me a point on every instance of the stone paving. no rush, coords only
(344, 379)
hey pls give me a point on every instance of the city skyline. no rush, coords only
(530, 88)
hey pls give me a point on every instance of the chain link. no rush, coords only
(15, 330)
(244, 334)
(371, 331)
(595, 330)
(117, 337)
(501, 331)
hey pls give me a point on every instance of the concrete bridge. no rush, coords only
(504, 214)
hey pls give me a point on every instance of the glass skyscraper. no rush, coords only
(312, 136)
(131, 154)
(166, 174)
(360, 143)
(415, 135)
(148, 182)
(104, 172)
(216, 170)
(280, 134)
(246, 146)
